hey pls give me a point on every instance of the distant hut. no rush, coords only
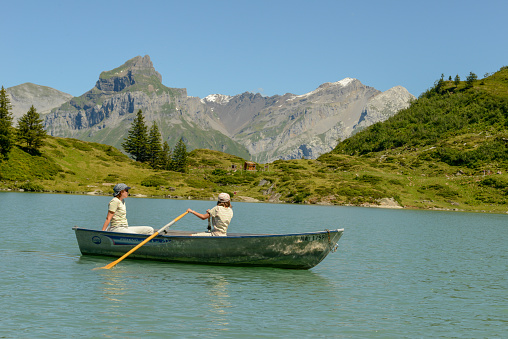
(249, 166)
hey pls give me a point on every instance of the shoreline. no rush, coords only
(385, 203)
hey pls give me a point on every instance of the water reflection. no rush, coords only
(113, 285)
(219, 300)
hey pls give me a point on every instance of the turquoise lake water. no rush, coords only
(396, 274)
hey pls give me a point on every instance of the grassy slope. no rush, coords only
(74, 166)
(450, 147)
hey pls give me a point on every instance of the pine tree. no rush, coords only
(167, 162)
(6, 133)
(471, 78)
(456, 81)
(136, 142)
(180, 157)
(154, 147)
(31, 130)
(439, 85)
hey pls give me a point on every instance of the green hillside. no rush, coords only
(467, 125)
(73, 166)
(447, 151)
(451, 144)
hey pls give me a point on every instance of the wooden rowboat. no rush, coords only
(296, 251)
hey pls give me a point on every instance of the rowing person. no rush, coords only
(221, 216)
(117, 214)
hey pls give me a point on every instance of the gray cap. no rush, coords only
(118, 188)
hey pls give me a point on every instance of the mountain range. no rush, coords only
(248, 125)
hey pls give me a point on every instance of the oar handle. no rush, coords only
(110, 265)
(171, 223)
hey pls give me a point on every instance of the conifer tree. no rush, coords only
(136, 142)
(180, 157)
(31, 130)
(154, 147)
(440, 85)
(456, 81)
(471, 78)
(6, 133)
(167, 162)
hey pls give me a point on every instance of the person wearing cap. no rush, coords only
(117, 214)
(221, 216)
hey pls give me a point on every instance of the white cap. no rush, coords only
(224, 197)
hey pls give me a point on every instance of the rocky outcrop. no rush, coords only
(383, 106)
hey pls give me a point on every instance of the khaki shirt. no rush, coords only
(117, 206)
(221, 217)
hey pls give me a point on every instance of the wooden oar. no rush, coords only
(108, 266)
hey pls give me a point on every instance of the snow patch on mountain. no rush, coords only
(342, 83)
(217, 98)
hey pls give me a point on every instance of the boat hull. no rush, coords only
(295, 251)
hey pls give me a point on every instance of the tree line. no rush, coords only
(145, 146)
(29, 134)
(440, 84)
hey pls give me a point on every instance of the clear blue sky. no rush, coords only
(266, 46)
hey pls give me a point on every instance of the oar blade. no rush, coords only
(107, 267)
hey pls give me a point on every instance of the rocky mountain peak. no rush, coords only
(330, 88)
(138, 70)
(332, 91)
(341, 83)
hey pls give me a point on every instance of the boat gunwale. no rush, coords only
(229, 236)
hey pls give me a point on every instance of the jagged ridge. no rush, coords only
(248, 125)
